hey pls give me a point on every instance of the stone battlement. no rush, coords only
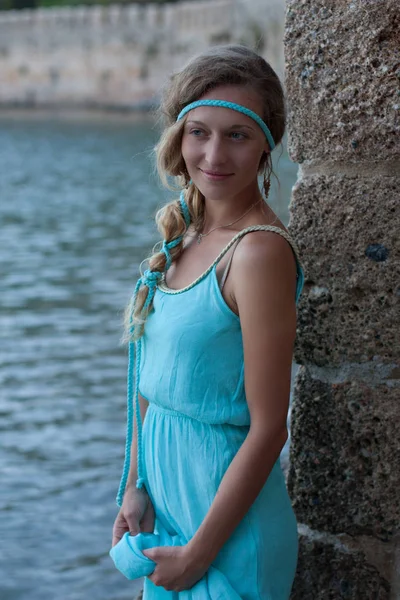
(198, 16)
(119, 56)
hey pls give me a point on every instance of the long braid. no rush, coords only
(142, 300)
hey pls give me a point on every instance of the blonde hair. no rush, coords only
(219, 65)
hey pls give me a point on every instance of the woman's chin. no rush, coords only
(210, 187)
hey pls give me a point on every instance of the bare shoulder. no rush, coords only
(263, 286)
(265, 248)
(265, 265)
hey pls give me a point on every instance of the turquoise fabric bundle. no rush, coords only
(128, 554)
(128, 557)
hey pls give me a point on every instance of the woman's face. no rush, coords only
(221, 147)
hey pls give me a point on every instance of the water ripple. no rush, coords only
(77, 207)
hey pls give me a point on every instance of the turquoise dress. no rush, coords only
(191, 371)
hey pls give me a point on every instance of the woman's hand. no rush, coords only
(176, 567)
(136, 514)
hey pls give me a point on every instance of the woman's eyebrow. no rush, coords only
(237, 126)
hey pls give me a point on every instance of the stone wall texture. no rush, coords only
(118, 56)
(342, 78)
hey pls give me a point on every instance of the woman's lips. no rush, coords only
(211, 175)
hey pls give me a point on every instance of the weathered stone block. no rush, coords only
(328, 570)
(347, 231)
(345, 456)
(342, 78)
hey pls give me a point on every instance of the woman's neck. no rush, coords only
(223, 211)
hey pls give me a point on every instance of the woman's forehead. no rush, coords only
(219, 117)
(239, 94)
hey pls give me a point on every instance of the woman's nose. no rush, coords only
(215, 152)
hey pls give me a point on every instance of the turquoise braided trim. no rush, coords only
(300, 280)
(151, 279)
(185, 208)
(132, 400)
(129, 401)
(300, 273)
(125, 471)
(140, 481)
(233, 106)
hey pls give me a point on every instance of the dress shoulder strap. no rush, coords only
(235, 240)
(272, 228)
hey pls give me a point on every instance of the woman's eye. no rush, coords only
(237, 135)
(195, 132)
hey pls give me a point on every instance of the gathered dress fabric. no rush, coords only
(192, 375)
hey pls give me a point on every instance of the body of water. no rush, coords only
(77, 204)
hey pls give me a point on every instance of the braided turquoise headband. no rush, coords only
(233, 106)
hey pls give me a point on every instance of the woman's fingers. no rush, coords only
(136, 509)
(119, 529)
(132, 520)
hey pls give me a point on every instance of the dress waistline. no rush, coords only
(175, 413)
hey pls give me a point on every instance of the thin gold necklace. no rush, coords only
(201, 235)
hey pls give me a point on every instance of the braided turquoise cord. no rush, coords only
(300, 281)
(166, 249)
(162, 285)
(185, 209)
(151, 279)
(233, 106)
(129, 415)
(140, 479)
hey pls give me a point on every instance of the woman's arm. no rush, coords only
(137, 512)
(132, 475)
(264, 283)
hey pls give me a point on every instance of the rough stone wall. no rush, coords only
(120, 55)
(342, 80)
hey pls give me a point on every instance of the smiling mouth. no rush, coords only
(215, 174)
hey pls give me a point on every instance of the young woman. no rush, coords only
(205, 512)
